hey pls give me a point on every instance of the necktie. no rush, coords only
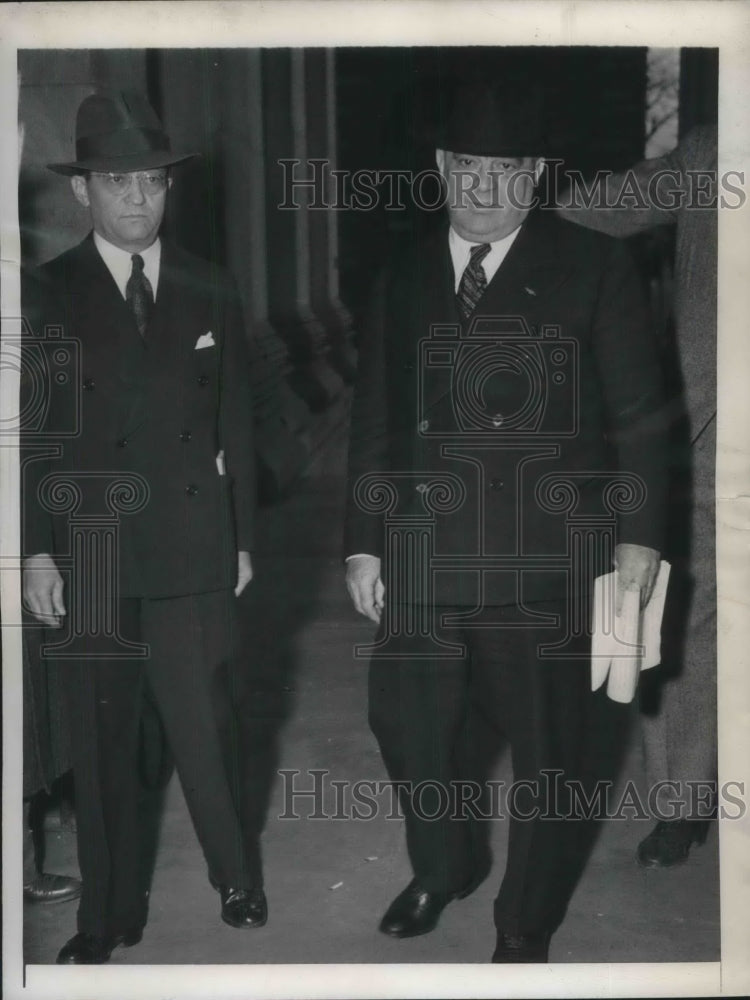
(139, 294)
(473, 280)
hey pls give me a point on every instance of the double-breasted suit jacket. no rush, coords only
(141, 424)
(162, 407)
(553, 377)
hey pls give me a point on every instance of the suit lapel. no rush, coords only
(110, 341)
(420, 298)
(162, 347)
(170, 339)
(532, 269)
(434, 296)
(96, 291)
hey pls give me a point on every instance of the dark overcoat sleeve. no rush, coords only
(635, 412)
(41, 306)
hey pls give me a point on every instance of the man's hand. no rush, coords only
(365, 586)
(637, 567)
(244, 572)
(43, 590)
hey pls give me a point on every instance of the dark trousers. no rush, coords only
(680, 739)
(422, 712)
(190, 641)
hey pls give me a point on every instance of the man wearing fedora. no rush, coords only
(507, 381)
(164, 440)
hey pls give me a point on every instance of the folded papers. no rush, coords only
(623, 646)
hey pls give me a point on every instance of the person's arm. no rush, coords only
(368, 450)
(635, 413)
(42, 584)
(236, 422)
(627, 203)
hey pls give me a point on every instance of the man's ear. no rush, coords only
(440, 160)
(539, 166)
(80, 190)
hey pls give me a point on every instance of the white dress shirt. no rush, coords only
(460, 250)
(120, 262)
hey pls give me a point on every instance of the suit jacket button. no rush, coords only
(185, 436)
(88, 384)
(424, 426)
(203, 380)
(191, 490)
(496, 484)
(122, 443)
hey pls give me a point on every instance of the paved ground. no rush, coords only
(328, 881)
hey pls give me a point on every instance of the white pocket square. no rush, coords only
(205, 340)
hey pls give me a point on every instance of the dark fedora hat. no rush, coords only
(119, 131)
(488, 120)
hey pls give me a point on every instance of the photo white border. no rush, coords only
(660, 23)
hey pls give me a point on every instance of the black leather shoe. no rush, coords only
(46, 888)
(522, 948)
(670, 841)
(416, 910)
(90, 949)
(243, 907)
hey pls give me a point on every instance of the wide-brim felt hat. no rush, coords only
(486, 120)
(119, 132)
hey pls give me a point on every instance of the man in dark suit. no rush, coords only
(507, 380)
(680, 739)
(162, 453)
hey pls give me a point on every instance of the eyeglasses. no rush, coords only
(151, 181)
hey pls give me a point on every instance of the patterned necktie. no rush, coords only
(473, 280)
(139, 294)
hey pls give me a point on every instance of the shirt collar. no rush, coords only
(460, 250)
(119, 262)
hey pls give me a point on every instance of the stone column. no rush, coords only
(281, 414)
(212, 103)
(321, 119)
(288, 229)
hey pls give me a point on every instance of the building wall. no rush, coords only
(52, 85)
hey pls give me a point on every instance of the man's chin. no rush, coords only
(133, 231)
(483, 226)
(136, 225)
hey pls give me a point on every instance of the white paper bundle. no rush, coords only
(622, 647)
